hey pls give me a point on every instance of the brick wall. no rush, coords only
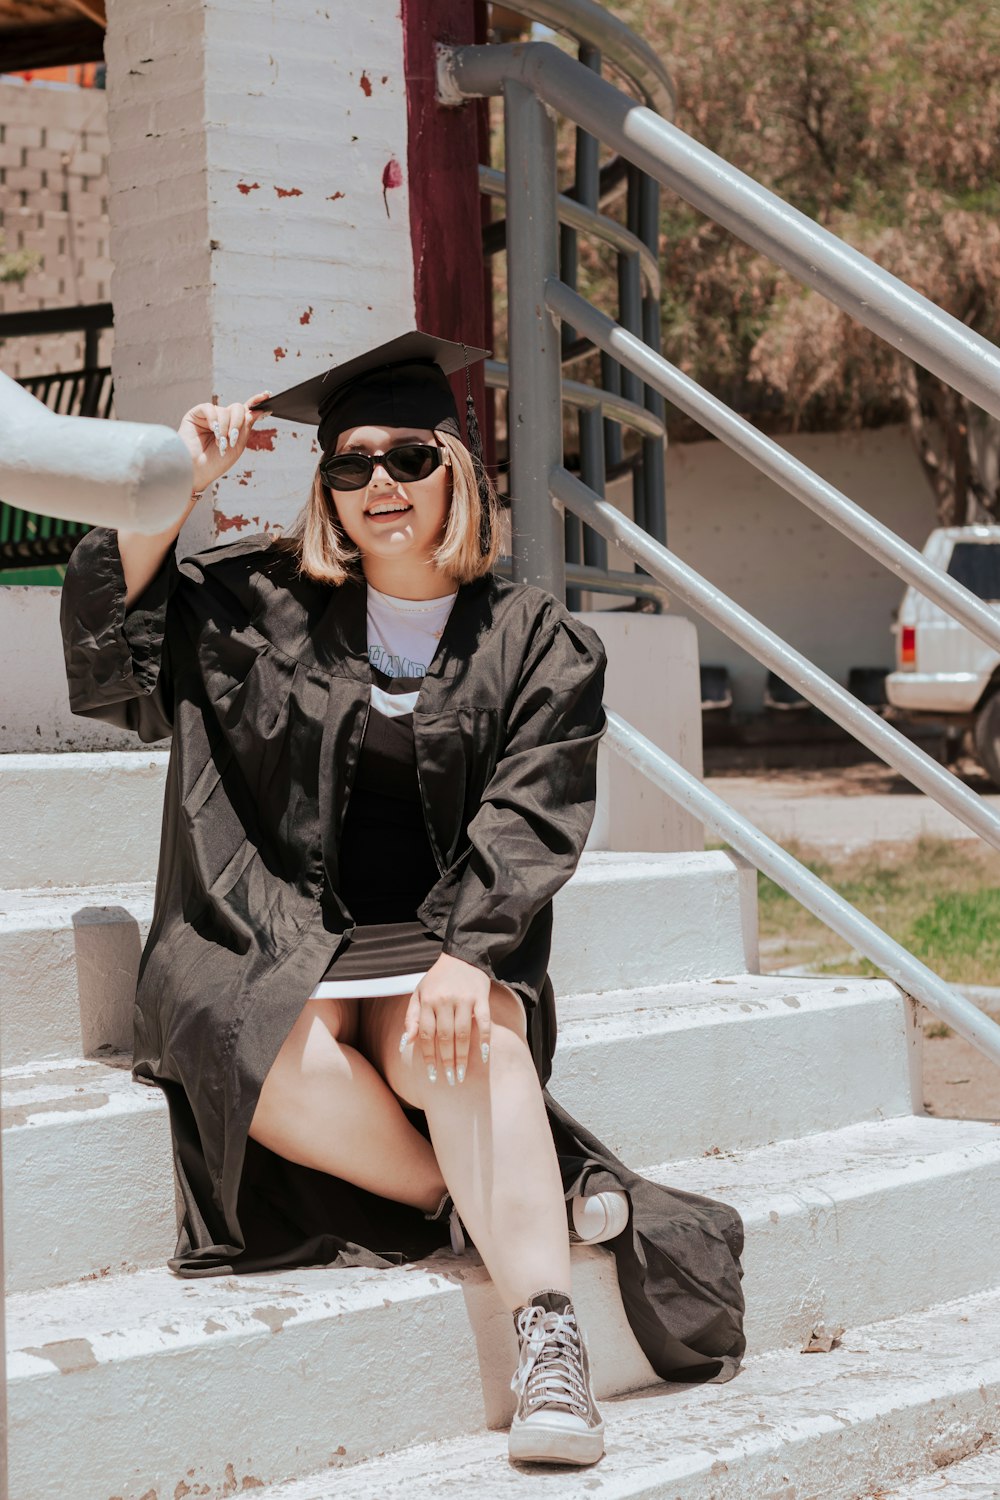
(54, 199)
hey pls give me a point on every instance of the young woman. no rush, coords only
(382, 769)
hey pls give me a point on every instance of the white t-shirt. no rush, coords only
(403, 636)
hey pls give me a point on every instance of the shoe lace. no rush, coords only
(551, 1366)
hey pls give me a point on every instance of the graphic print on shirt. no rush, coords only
(394, 666)
(403, 636)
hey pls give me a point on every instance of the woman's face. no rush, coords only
(390, 518)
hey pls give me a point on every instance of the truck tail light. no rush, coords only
(908, 646)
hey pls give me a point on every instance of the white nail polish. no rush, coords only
(485, 1050)
(223, 445)
(217, 429)
(403, 1041)
(449, 1073)
(234, 435)
(432, 1073)
(461, 1074)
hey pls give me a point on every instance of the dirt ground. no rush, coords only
(959, 1082)
(868, 778)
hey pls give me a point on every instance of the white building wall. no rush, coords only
(259, 217)
(785, 564)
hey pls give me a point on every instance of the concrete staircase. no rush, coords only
(791, 1098)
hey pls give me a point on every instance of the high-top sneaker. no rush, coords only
(557, 1420)
(446, 1209)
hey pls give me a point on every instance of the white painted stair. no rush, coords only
(793, 1099)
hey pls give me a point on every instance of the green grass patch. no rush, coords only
(940, 899)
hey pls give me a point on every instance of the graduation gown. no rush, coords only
(260, 678)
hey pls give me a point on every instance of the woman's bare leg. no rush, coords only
(492, 1140)
(323, 1105)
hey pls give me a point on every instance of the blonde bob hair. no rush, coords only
(327, 555)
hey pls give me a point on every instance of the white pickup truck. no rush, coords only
(944, 673)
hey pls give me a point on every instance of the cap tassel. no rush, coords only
(475, 445)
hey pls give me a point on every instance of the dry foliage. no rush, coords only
(881, 120)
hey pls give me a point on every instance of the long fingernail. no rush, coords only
(217, 429)
(449, 1073)
(403, 1041)
(234, 433)
(461, 1073)
(432, 1073)
(223, 445)
(485, 1050)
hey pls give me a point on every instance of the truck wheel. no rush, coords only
(986, 737)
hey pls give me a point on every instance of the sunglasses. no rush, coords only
(406, 463)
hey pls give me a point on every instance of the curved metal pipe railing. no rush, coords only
(628, 54)
(790, 665)
(588, 221)
(771, 459)
(912, 976)
(588, 398)
(878, 300)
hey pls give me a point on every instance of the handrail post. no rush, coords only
(535, 404)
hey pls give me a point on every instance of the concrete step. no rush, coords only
(69, 956)
(189, 1382)
(895, 1401)
(659, 1074)
(88, 1173)
(976, 1478)
(80, 817)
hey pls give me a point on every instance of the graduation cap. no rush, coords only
(403, 383)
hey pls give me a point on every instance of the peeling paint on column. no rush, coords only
(247, 187)
(332, 198)
(280, 353)
(306, 316)
(365, 85)
(262, 439)
(226, 523)
(392, 177)
(288, 192)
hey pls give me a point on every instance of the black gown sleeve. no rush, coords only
(117, 662)
(528, 833)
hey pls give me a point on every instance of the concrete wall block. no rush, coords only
(23, 135)
(57, 139)
(23, 179)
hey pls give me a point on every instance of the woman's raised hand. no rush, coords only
(217, 435)
(451, 995)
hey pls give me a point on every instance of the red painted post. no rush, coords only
(445, 206)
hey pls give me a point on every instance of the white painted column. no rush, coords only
(259, 216)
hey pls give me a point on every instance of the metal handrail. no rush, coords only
(790, 665)
(577, 216)
(771, 459)
(629, 54)
(912, 976)
(588, 398)
(602, 581)
(880, 301)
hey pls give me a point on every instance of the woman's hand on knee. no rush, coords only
(450, 997)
